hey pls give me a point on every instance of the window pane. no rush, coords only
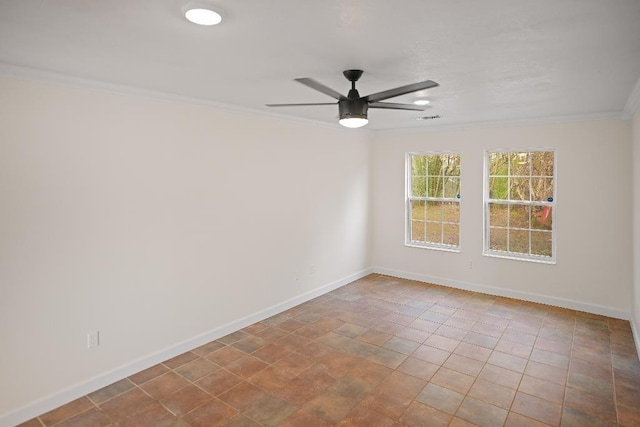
(434, 232)
(451, 187)
(436, 186)
(541, 243)
(418, 209)
(417, 231)
(542, 217)
(519, 241)
(542, 163)
(520, 164)
(519, 216)
(541, 189)
(498, 239)
(519, 188)
(498, 215)
(498, 188)
(450, 234)
(434, 211)
(451, 164)
(498, 164)
(435, 165)
(419, 186)
(451, 212)
(418, 166)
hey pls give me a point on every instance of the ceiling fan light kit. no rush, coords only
(353, 108)
(201, 13)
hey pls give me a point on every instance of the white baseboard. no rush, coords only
(526, 296)
(96, 383)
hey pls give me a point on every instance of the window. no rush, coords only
(433, 200)
(519, 204)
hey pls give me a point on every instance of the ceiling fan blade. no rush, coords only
(394, 106)
(392, 93)
(300, 105)
(321, 88)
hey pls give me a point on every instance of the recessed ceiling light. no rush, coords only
(421, 102)
(203, 16)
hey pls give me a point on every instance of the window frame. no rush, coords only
(518, 256)
(409, 198)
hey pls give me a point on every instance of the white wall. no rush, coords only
(155, 222)
(635, 320)
(592, 221)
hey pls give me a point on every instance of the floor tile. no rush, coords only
(162, 386)
(508, 361)
(110, 391)
(500, 376)
(576, 418)
(431, 354)
(364, 417)
(440, 398)
(93, 417)
(481, 413)
(154, 415)
(148, 374)
(301, 418)
(390, 405)
(541, 388)
(453, 380)
(270, 411)
(180, 359)
(246, 367)
(197, 369)
(492, 393)
(67, 411)
(418, 368)
(604, 409)
(242, 396)
(185, 400)
(536, 408)
(401, 384)
(464, 364)
(126, 404)
(417, 413)
(330, 406)
(218, 382)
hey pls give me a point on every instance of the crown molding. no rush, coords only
(618, 115)
(33, 74)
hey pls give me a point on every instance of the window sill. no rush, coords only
(504, 255)
(437, 248)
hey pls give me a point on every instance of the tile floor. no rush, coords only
(383, 351)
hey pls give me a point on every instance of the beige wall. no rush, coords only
(155, 222)
(593, 215)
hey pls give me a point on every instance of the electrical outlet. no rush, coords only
(93, 339)
(470, 265)
(297, 275)
(312, 269)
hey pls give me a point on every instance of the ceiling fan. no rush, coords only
(353, 107)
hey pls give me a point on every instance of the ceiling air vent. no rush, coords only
(428, 117)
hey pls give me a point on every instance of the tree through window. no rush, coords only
(519, 204)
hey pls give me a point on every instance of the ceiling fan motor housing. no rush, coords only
(353, 109)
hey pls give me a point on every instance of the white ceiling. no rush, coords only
(495, 60)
